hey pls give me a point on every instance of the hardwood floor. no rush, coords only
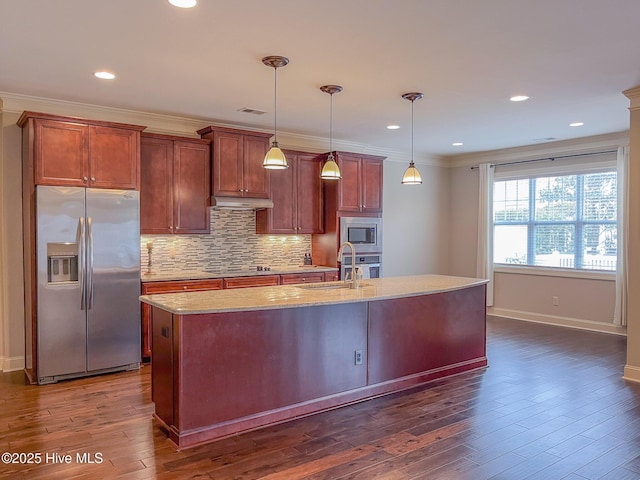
(551, 405)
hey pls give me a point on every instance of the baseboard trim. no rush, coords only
(558, 321)
(631, 373)
(11, 364)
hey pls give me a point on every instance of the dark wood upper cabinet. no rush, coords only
(113, 157)
(256, 178)
(61, 152)
(237, 162)
(297, 197)
(69, 151)
(357, 194)
(309, 194)
(360, 189)
(156, 185)
(371, 178)
(175, 188)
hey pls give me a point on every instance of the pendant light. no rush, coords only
(411, 174)
(330, 170)
(275, 159)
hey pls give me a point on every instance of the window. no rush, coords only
(563, 220)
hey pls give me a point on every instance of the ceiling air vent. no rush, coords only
(544, 139)
(252, 111)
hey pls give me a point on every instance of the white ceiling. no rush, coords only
(572, 57)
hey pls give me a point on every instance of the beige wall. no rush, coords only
(463, 221)
(583, 302)
(3, 279)
(632, 368)
(414, 221)
(13, 329)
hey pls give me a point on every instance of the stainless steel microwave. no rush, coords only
(365, 233)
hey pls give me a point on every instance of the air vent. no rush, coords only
(544, 139)
(252, 111)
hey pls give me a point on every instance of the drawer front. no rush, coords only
(302, 278)
(150, 288)
(256, 281)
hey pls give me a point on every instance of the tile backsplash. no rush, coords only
(232, 245)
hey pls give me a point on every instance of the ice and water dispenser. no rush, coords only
(62, 262)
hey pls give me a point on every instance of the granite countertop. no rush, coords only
(222, 273)
(305, 295)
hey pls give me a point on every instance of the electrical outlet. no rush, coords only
(358, 357)
(555, 300)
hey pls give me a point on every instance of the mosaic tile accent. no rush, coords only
(232, 245)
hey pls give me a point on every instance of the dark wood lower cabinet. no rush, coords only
(150, 288)
(292, 278)
(253, 281)
(219, 374)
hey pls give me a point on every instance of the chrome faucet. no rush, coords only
(354, 277)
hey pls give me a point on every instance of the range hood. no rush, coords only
(241, 203)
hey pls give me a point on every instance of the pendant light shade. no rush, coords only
(330, 170)
(411, 174)
(275, 159)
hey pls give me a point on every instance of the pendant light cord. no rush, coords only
(412, 132)
(331, 126)
(275, 104)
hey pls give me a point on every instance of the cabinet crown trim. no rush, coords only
(175, 138)
(237, 131)
(83, 121)
(364, 156)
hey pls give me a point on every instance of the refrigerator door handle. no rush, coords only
(82, 261)
(90, 263)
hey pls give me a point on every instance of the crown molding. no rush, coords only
(633, 94)
(574, 146)
(183, 126)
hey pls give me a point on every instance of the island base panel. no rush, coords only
(199, 436)
(426, 332)
(218, 374)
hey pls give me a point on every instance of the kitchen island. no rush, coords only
(229, 361)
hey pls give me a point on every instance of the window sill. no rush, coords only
(555, 272)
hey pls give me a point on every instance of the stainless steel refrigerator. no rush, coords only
(88, 269)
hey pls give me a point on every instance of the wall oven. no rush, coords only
(365, 233)
(371, 265)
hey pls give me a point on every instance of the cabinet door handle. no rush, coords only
(93, 179)
(85, 179)
(185, 287)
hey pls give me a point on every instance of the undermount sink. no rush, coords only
(330, 285)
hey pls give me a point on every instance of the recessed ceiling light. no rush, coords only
(576, 124)
(393, 127)
(457, 144)
(105, 75)
(519, 98)
(183, 3)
